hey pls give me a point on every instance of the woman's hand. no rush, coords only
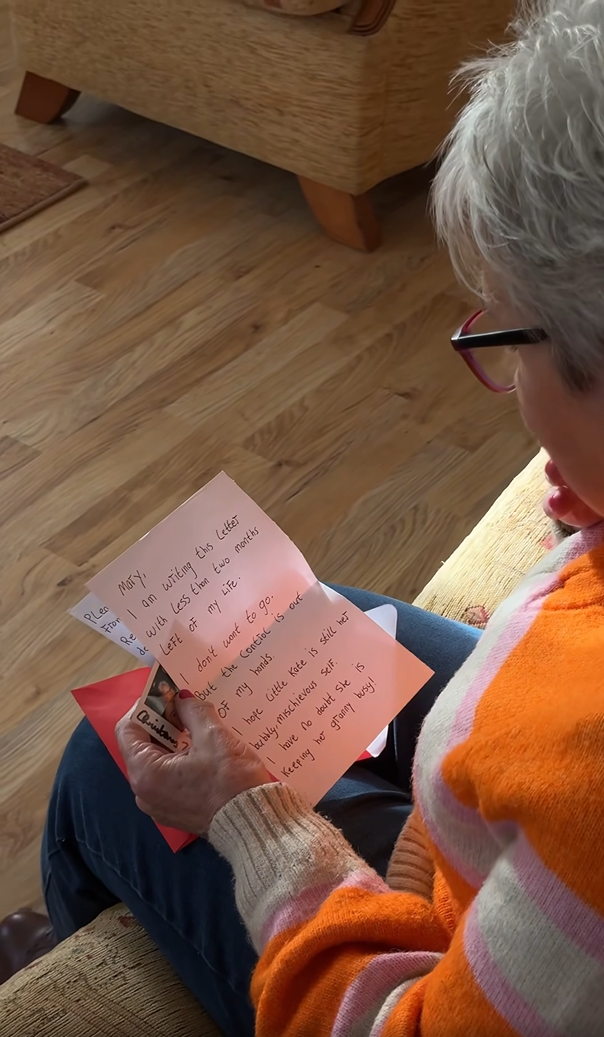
(562, 503)
(186, 789)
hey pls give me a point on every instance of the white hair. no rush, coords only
(520, 190)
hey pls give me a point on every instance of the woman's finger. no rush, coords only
(135, 745)
(143, 806)
(201, 720)
(563, 505)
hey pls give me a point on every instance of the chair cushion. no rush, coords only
(109, 978)
(511, 538)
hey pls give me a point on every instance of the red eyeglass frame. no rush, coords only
(464, 343)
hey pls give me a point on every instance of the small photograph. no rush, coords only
(161, 695)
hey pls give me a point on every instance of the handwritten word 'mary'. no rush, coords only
(130, 582)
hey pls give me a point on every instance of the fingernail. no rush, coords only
(186, 694)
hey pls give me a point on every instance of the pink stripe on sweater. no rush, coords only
(299, 909)
(514, 630)
(510, 637)
(496, 988)
(439, 807)
(449, 823)
(512, 633)
(564, 909)
(441, 810)
(367, 992)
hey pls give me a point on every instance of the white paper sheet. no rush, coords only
(91, 611)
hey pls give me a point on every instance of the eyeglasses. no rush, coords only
(496, 367)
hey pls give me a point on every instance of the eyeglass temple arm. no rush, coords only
(513, 337)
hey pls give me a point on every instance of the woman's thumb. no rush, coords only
(194, 714)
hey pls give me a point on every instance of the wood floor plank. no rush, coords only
(351, 549)
(181, 315)
(31, 578)
(224, 388)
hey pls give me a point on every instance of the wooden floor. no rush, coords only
(181, 315)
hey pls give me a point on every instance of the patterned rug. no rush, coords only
(29, 184)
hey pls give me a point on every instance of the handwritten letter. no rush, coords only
(230, 608)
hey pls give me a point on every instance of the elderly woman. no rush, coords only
(479, 911)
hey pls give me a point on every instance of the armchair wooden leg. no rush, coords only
(43, 100)
(347, 218)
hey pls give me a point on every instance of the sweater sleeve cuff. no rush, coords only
(278, 848)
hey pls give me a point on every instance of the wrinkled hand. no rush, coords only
(186, 789)
(563, 504)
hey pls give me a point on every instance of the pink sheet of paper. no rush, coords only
(231, 609)
(106, 702)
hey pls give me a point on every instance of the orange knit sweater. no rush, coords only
(496, 927)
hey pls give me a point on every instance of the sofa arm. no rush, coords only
(108, 978)
(511, 538)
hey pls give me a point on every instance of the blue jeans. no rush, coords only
(98, 849)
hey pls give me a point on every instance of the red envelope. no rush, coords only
(107, 702)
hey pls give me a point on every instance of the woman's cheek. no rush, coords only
(541, 406)
(524, 400)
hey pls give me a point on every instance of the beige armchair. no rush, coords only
(344, 98)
